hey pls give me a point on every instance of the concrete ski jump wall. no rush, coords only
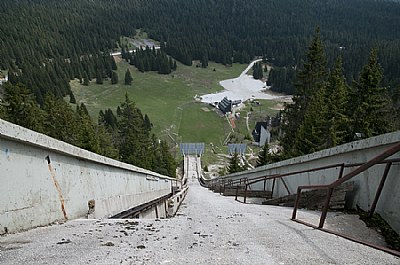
(43, 180)
(365, 184)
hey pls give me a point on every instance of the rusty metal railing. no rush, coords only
(247, 184)
(222, 184)
(380, 159)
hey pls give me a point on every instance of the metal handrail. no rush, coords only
(258, 179)
(280, 176)
(230, 183)
(380, 159)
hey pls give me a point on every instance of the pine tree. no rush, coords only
(171, 63)
(99, 77)
(134, 141)
(87, 133)
(113, 63)
(204, 61)
(61, 122)
(264, 157)
(370, 101)
(2, 111)
(147, 123)
(168, 161)
(21, 107)
(124, 53)
(72, 99)
(85, 79)
(396, 107)
(234, 165)
(110, 120)
(257, 71)
(106, 144)
(114, 78)
(140, 66)
(311, 137)
(337, 100)
(128, 77)
(311, 79)
(164, 65)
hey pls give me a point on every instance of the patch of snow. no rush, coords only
(242, 88)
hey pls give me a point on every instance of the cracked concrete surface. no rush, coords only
(208, 229)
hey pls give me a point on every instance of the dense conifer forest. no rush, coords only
(46, 43)
(327, 112)
(114, 135)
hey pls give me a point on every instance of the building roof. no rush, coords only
(192, 148)
(257, 130)
(225, 105)
(237, 148)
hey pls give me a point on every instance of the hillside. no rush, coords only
(169, 101)
(48, 48)
(38, 36)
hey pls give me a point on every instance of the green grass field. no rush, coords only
(200, 124)
(169, 101)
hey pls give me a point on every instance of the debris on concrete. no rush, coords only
(211, 229)
(64, 241)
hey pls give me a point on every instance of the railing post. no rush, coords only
(380, 188)
(265, 182)
(237, 191)
(296, 204)
(341, 171)
(367, 165)
(325, 209)
(245, 192)
(287, 188)
(273, 187)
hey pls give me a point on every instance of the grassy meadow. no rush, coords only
(169, 101)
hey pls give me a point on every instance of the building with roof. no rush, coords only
(261, 133)
(240, 149)
(225, 105)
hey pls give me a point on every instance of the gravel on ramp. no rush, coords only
(208, 229)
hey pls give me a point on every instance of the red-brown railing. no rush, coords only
(330, 187)
(222, 184)
(361, 167)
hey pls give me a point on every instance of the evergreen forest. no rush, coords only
(44, 44)
(114, 135)
(327, 112)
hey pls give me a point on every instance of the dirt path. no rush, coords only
(247, 122)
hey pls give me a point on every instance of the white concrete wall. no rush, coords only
(365, 184)
(32, 191)
(175, 202)
(161, 212)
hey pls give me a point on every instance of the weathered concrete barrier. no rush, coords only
(365, 184)
(175, 201)
(43, 180)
